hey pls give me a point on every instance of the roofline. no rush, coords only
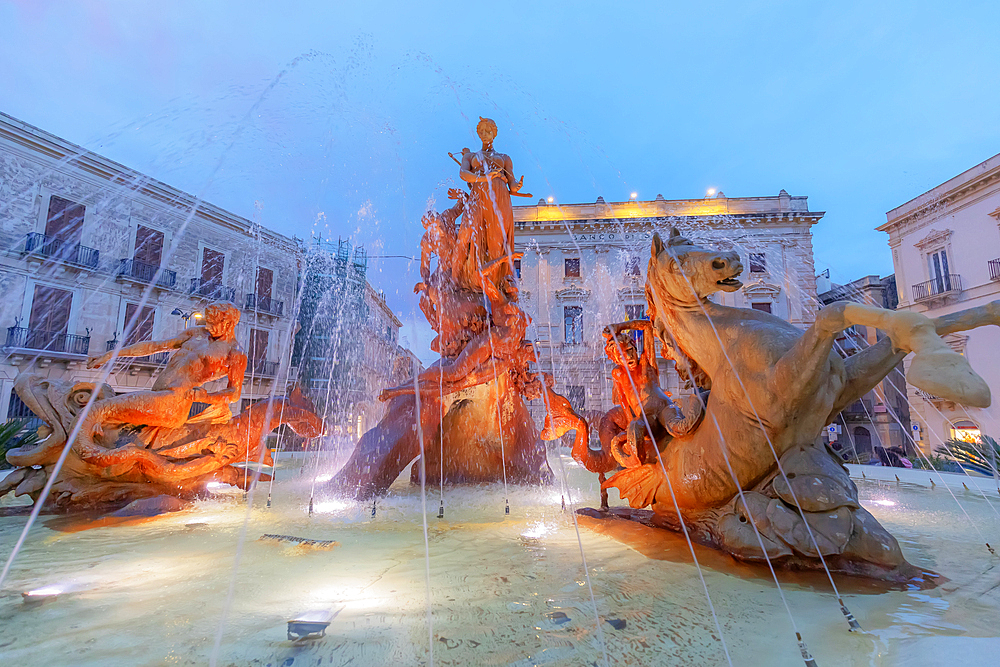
(952, 188)
(37, 140)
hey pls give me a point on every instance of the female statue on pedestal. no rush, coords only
(487, 231)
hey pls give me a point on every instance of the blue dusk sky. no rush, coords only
(336, 118)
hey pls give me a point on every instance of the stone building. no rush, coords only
(90, 245)
(348, 342)
(946, 254)
(584, 267)
(881, 418)
(379, 362)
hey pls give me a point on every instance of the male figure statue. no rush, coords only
(203, 354)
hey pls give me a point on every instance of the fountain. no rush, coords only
(120, 449)
(732, 465)
(470, 403)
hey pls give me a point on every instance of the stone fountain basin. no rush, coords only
(506, 590)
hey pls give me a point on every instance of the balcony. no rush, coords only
(55, 248)
(950, 284)
(262, 368)
(212, 290)
(994, 265)
(133, 269)
(265, 304)
(158, 359)
(48, 341)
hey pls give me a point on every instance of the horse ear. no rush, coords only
(657, 246)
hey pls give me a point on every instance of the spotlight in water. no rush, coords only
(885, 503)
(215, 485)
(310, 624)
(536, 531)
(551, 199)
(39, 595)
(330, 506)
(323, 478)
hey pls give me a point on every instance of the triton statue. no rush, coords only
(144, 444)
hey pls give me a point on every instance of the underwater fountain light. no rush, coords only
(885, 503)
(323, 478)
(310, 624)
(40, 595)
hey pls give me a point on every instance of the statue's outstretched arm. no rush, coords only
(143, 349)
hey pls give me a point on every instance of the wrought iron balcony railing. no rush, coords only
(147, 273)
(51, 341)
(158, 359)
(212, 290)
(59, 249)
(265, 304)
(944, 285)
(994, 265)
(262, 368)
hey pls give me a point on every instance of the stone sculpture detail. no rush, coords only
(144, 444)
(768, 389)
(471, 402)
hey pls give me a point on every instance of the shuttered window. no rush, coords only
(148, 246)
(212, 264)
(142, 328)
(65, 220)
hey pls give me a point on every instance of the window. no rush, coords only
(148, 246)
(212, 264)
(17, 409)
(49, 317)
(65, 220)
(139, 328)
(940, 277)
(632, 267)
(636, 312)
(763, 306)
(758, 262)
(573, 321)
(257, 350)
(517, 268)
(573, 268)
(577, 396)
(63, 229)
(265, 279)
(966, 431)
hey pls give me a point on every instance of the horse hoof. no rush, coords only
(948, 375)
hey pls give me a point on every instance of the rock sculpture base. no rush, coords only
(478, 443)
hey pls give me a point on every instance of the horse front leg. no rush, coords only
(936, 368)
(806, 365)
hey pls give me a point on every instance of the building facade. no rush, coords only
(348, 343)
(881, 418)
(946, 254)
(584, 267)
(90, 246)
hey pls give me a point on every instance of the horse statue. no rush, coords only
(751, 479)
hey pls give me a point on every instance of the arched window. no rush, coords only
(862, 440)
(965, 430)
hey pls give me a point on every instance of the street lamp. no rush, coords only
(186, 316)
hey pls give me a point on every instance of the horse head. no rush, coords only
(682, 272)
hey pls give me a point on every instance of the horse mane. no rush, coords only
(687, 368)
